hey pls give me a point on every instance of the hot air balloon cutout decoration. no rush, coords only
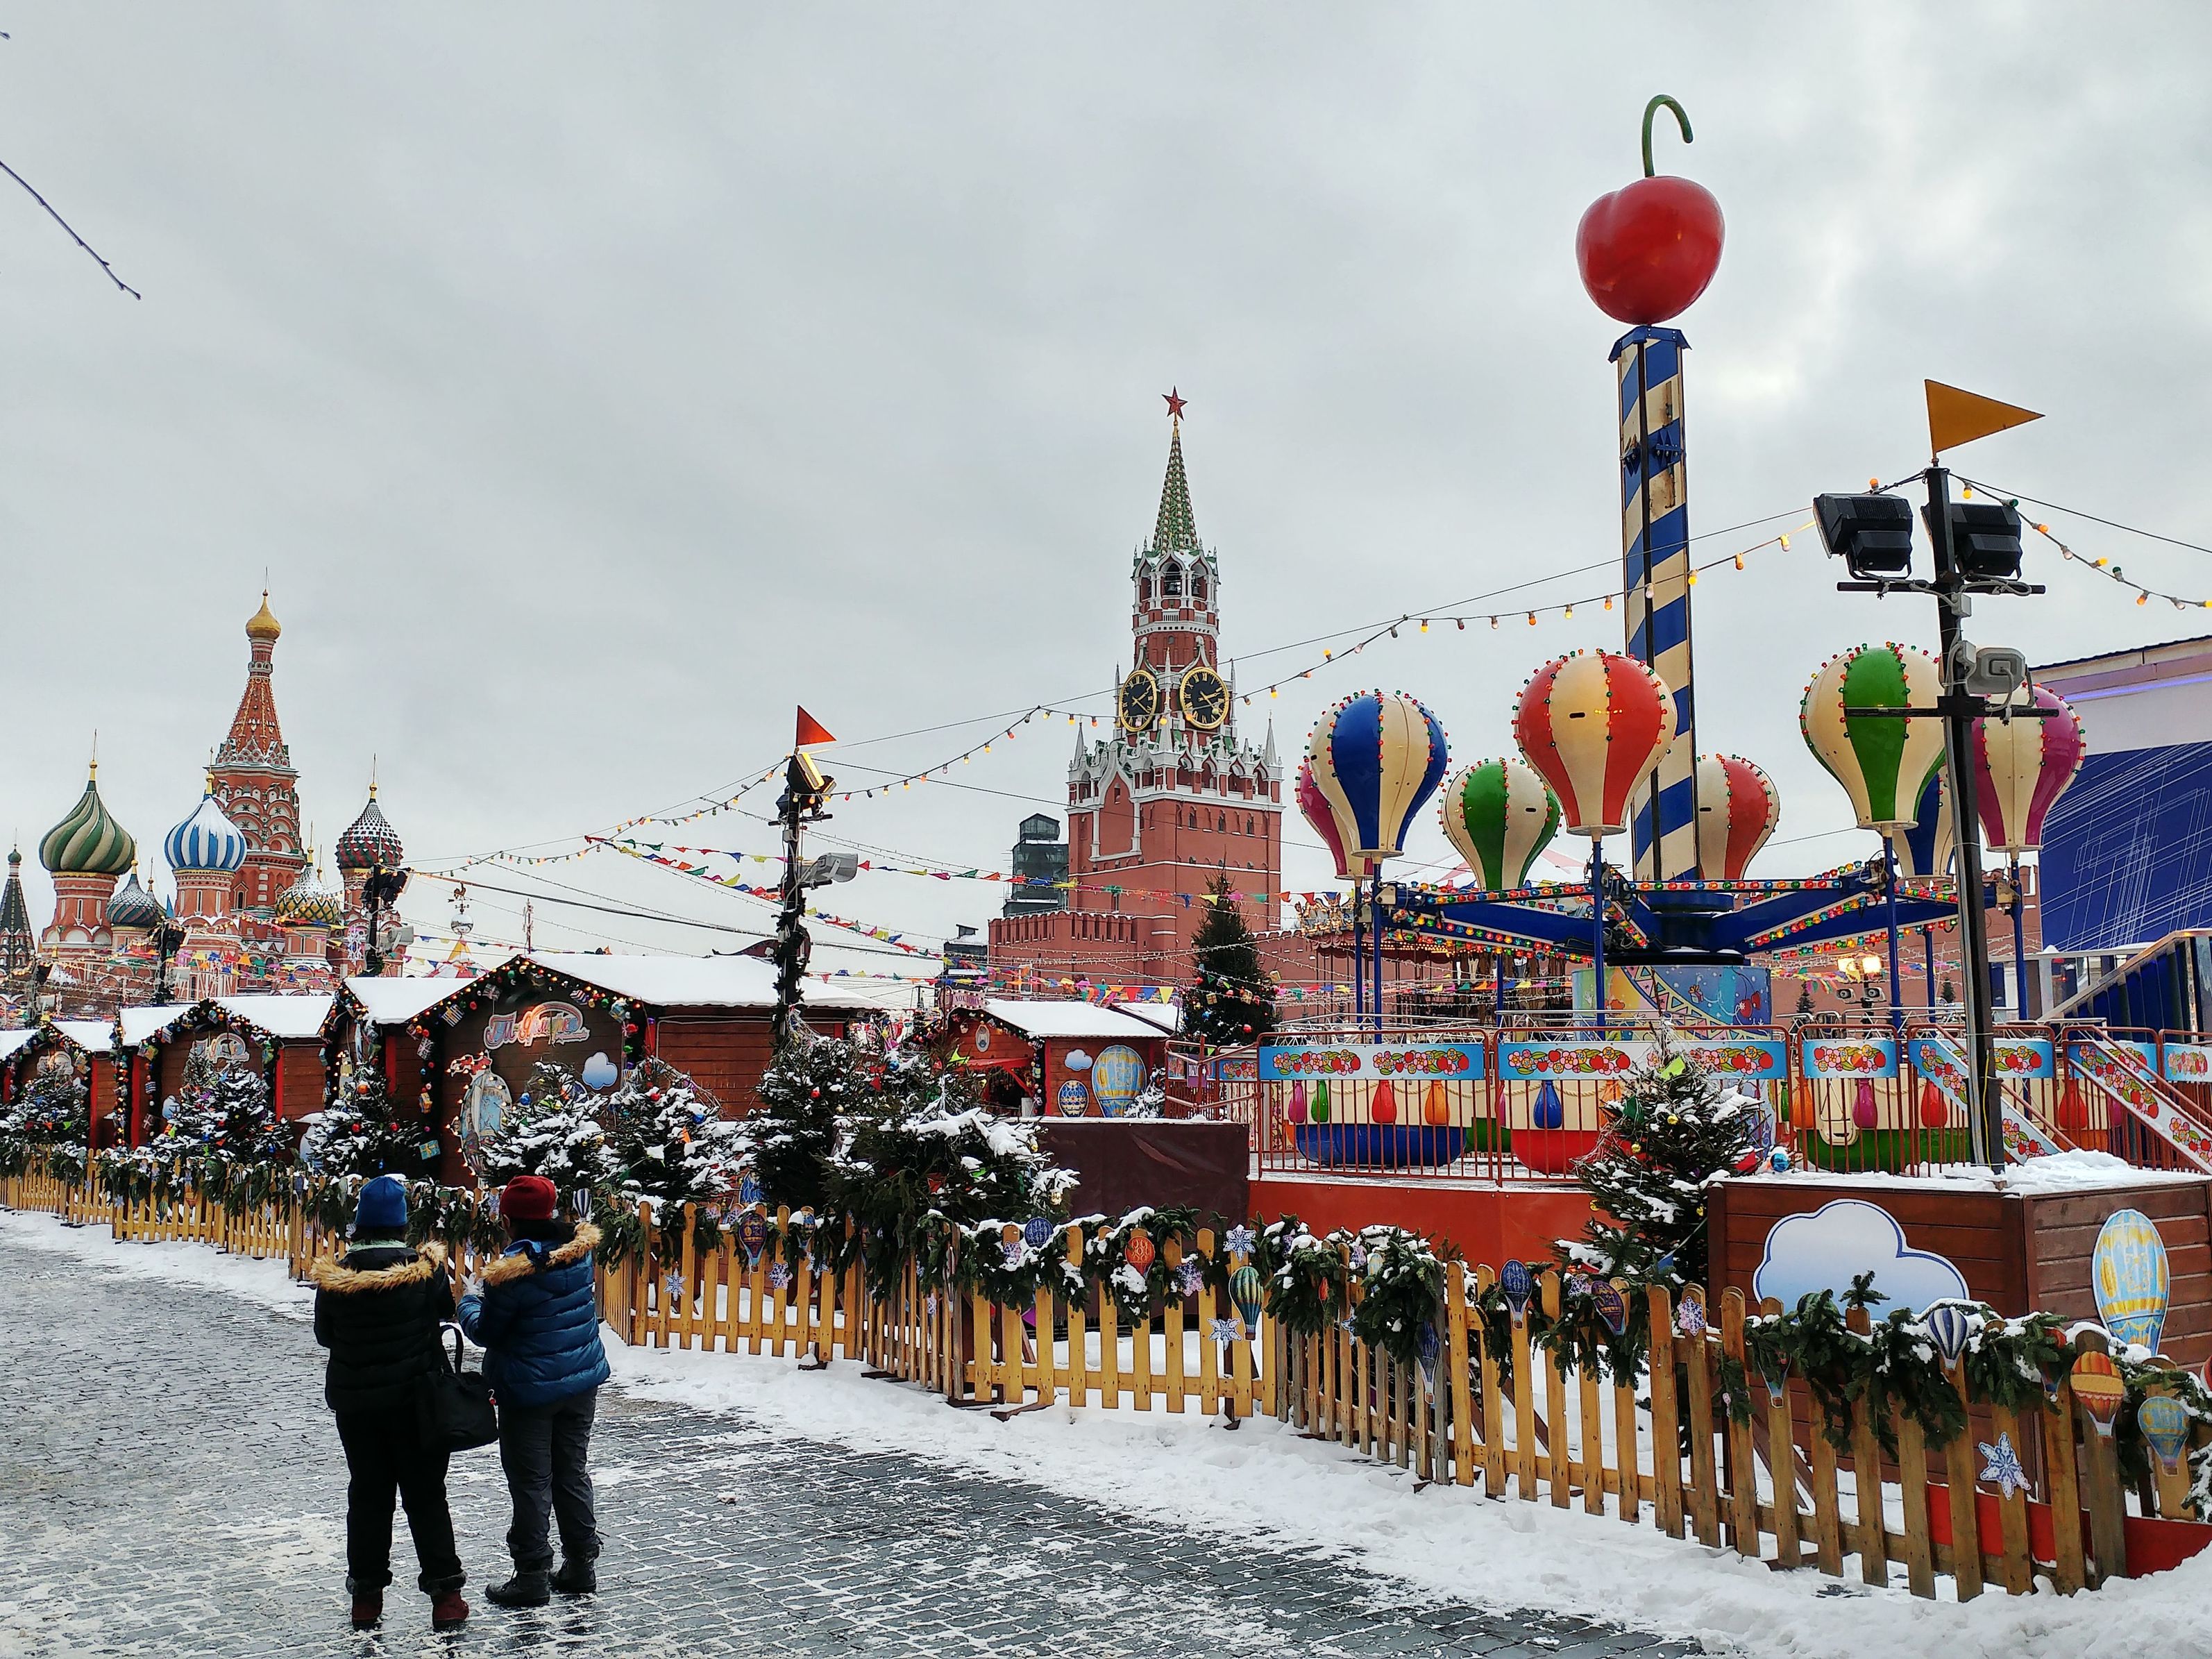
(1611, 1306)
(2097, 1385)
(752, 1235)
(2133, 1279)
(1519, 1286)
(1138, 1251)
(1950, 1327)
(1246, 1291)
(2165, 1423)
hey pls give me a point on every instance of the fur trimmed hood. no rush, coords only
(334, 1275)
(519, 1263)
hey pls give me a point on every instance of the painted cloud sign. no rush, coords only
(1827, 1248)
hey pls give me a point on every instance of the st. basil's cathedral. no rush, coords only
(251, 911)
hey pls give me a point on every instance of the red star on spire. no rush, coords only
(1176, 404)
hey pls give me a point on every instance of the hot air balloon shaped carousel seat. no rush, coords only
(1593, 728)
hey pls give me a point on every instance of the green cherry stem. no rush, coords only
(1652, 109)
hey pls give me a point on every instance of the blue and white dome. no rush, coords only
(206, 840)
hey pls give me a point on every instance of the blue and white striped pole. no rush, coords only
(1654, 556)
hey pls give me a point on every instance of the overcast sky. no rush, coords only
(594, 382)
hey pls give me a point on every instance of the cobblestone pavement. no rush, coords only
(171, 1485)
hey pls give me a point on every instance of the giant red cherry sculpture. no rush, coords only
(1647, 250)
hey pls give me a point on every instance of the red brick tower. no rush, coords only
(254, 783)
(1175, 798)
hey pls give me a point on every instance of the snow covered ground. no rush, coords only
(1265, 1482)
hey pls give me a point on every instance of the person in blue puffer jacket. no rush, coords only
(537, 1319)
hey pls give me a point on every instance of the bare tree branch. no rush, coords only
(65, 225)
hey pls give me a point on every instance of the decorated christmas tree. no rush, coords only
(938, 1148)
(359, 1132)
(813, 1097)
(556, 1129)
(1675, 1132)
(1231, 1000)
(54, 1110)
(669, 1144)
(226, 1111)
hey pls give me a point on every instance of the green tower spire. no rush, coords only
(1176, 532)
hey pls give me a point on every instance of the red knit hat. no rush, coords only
(527, 1198)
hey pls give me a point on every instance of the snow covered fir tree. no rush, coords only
(668, 1143)
(1231, 1000)
(814, 1092)
(1676, 1131)
(359, 1132)
(556, 1129)
(227, 1111)
(55, 1108)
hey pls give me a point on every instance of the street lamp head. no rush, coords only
(1871, 534)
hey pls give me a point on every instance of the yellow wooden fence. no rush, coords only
(1511, 1416)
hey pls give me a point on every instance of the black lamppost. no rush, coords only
(381, 890)
(1977, 549)
(168, 939)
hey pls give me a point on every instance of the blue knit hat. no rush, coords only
(382, 1207)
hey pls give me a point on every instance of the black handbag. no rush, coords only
(454, 1407)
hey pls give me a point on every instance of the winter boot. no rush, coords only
(525, 1590)
(448, 1611)
(576, 1578)
(368, 1609)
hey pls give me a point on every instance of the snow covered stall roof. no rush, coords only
(284, 1018)
(652, 981)
(1068, 1019)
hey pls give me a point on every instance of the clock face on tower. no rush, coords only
(1139, 701)
(1205, 698)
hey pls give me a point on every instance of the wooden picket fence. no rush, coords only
(1520, 1421)
(967, 1348)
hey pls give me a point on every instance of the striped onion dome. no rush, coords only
(134, 907)
(88, 842)
(310, 902)
(370, 842)
(206, 840)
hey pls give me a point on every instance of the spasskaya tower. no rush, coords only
(1175, 798)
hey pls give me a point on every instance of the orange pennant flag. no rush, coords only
(1957, 418)
(811, 731)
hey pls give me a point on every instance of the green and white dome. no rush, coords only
(88, 842)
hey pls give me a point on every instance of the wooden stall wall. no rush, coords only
(298, 1084)
(725, 1052)
(2061, 1236)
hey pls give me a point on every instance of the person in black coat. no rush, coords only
(377, 1309)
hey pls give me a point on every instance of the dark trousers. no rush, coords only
(542, 1448)
(385, 1456)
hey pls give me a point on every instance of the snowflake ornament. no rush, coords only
(1189, 1279)
(1238, 1241)
(2001, 1466)
(1228, 1330)
(779, 1276)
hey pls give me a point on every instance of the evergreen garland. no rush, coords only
(553, 1130)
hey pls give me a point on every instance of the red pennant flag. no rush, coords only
(811, 731)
